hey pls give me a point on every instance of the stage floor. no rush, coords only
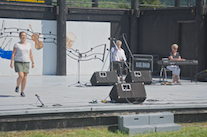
(58, 97)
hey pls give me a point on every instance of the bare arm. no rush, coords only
(178, 59)
(31, 57)
(12, 57)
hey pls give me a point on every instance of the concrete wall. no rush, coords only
(88, 35)
(10, 31)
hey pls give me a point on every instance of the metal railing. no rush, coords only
(122, 4)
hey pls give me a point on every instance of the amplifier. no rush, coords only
(145, 62)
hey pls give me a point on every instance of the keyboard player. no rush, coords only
(174, 55)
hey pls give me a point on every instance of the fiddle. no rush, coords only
(35, 38)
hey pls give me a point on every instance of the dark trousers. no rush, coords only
(118, 66)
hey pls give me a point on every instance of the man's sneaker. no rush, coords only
(22, 94)
(17, 89)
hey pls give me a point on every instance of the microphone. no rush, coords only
(110, 38)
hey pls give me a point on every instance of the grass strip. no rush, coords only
(188, 130)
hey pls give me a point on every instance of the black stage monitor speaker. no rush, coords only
(202, 76)
(139, 77)
(128, 92)
(104, 78)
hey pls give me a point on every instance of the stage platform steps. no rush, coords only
(146, 123)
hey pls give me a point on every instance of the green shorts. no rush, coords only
(21, 66)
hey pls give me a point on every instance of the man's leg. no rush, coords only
(117, 66)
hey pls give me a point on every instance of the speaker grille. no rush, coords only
(104, 78)
(122, 93)
(144, 76)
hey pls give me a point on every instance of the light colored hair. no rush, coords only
(118, 41)
(174, 46)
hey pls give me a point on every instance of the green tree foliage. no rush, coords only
(183, 2)
(126, 3)
(152, 2)
(109, 3)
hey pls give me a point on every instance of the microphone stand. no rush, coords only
(38, 97)
(128, 48)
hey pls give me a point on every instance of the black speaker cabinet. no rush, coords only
(139, 77)
(202, 76)
(128, 92)
(104, 78)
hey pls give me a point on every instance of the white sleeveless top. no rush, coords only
(23, 52)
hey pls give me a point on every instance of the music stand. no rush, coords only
(78, 83)
(85, 56)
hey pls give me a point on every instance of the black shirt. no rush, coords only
(175, 56)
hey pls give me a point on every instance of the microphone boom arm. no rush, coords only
(127, 46)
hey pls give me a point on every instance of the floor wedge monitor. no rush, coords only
(128, 92)
(202, 76)
(139, 76)
(104, 78)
